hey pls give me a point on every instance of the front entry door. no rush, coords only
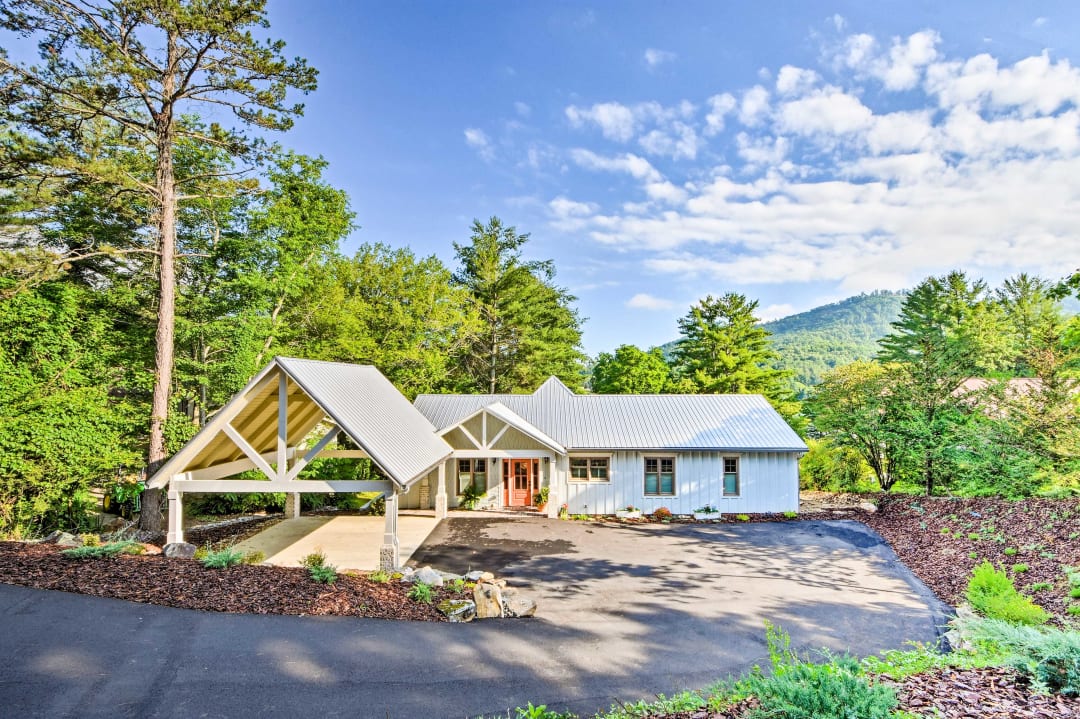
(520, 483)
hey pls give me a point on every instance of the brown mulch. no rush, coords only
(994, 693)
(220, 535)
(1043, 533)
(187, 584)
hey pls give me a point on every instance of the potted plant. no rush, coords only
(707, 512)
(540, 499)
(471, 496)
(564, 511)
(630, 512)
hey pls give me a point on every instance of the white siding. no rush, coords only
(768, 482)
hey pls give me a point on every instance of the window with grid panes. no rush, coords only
(589, 469)
(472, 472)
(660, 476)
(731, 476)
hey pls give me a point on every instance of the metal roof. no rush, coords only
(609, 421)
(358, 398)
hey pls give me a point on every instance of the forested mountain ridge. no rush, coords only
(813, 342)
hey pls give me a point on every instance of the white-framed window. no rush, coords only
(731, 477)
(471, 472)
(659, 476)
(590, 469)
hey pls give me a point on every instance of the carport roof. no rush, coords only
(358, 398)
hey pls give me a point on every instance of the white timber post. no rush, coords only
(557, 494)
(292, 499)
(176, 518)
(440, 494)
(388, 554)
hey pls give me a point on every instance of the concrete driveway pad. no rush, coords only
(625, 612)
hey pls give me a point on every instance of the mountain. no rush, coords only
(813, 342)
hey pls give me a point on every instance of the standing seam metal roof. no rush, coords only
(687, 422)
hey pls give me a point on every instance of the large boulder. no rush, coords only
(428, 576)
(179, 550)
(458, 610)
(488, 598)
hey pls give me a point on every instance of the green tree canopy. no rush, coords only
(530, 329)
(631, 371)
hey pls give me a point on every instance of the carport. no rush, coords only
(268, 426)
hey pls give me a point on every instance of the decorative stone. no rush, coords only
(450, 576)
(151, 549)
(476, 575)
(458, 610)
(179, 550)
(519, 606)
(428, 576)
(488, 598)
(68, 540)
(388, 557)
(868, 507)
(408, 575)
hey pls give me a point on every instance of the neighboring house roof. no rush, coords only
(612, 421)
(1015, 387)
(358, 398)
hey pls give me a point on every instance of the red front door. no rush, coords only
(518, 482)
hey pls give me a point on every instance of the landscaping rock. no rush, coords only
(179, 550)
(476, 575)
(450, 576)
(151, 549)
(110, 522)
(68, 540)
(458, 610)
(488, 598)
(408, 575)
(428, 576)
(868, 507)
(519, 607)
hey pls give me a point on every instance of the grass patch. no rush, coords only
(420, 592)
(379, 576)
(223, 558)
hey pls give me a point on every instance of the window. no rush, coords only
(660, 476)
(589, 469)
(731, 476)
(472, 472)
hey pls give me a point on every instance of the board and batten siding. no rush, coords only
(768, 482)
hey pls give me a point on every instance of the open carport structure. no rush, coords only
(268, 427)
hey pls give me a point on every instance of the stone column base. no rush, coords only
(292, 505)
(440, 506)
(388, 557)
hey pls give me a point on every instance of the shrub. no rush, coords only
(798, 689)
(1019, 568)
(471, 496)
(315, 559)
(324, 573)
(790, 515)
(457, 586)
(1049, 657)
(379, 576)
(706, 509)
(1039, 586)
(1074, 593)
(1073, 610)
(1010, 551)
(228, 557)
(541, 712)
(742, 517)
(201, 552)
(992, 594)
(420, 592)
(253, 558)
(90, 540)
(97, 551)
(661, 513)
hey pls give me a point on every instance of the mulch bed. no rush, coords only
(187, 584)
(942, 540)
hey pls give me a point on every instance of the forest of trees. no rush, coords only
(152, 260)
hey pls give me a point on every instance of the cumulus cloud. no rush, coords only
(522, 109)
(615, 120)
(795, 80)
(643, 301)
(629, 163)
(754, 105)
(719, 107)
(654, 58)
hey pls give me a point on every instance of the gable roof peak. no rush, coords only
(553, 385)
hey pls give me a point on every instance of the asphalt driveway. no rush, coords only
(625, 612)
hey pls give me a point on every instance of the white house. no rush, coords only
(595, 453)
(601, 453)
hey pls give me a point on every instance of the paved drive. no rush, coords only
(626, 612)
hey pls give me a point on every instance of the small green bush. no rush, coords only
(1039, 586)
(993, 595)
(1049, 657)
(90, 540)
(253, 558)
(324, 573)
(973, 536)
(541, 712)
(420, 592)
(742, 517)
(98, 551)
(457, 586)
(790, 515)
(1019, 568)
(379, 576)
(222, 559)
(1011, 551)
(661, 514)
(973, 555)
(201, 552)
(315, 559)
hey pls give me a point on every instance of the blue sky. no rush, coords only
(796, 152)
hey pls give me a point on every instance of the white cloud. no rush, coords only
(719, 106)
(629, 163)
(479, 141)
(616, 121)
(762, 150)
(755, 103)
(775, 312)
(680, 142)
(826, 111)
(522, 109)
(1038, 22)
(795, 80)
(643, 301)
(907, 59)
(654, 58)
(666, 192)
